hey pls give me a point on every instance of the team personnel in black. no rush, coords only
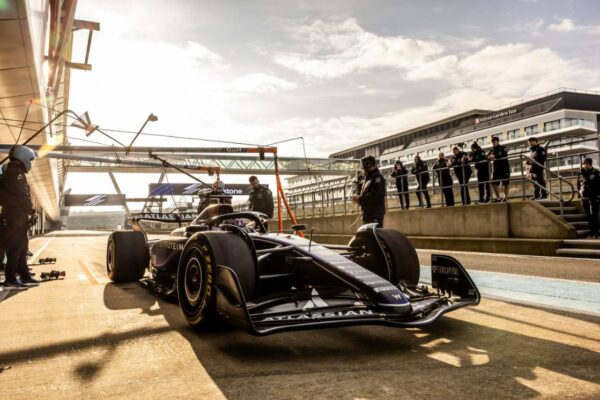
(536, 172)
(462, 170)
(482, 166)
(401, 175)
(421, 172)
(357, 183)
(372, 195)
(588, 186)
(501, 174)
(17, 209)
(442, 167)
(261, 198)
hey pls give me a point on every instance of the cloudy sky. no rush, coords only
(337, 73)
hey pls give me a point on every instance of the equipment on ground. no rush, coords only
(225, 265)
(46, 276)
(47, 260)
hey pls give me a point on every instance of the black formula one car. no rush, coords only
(225, 265)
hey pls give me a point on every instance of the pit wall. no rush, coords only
(523, 227)
(523, 219)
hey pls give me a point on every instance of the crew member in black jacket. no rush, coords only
(536, 169)
(372, 195)
(442, 167)
(401, 175)
(462, 170)
(501, 174)
(588, 187)
(421, 172)
(482, 166)
(17, 209)
(261, 199)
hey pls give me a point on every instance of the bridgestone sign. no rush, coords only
(187, 189)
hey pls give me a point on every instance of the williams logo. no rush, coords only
(95, 200)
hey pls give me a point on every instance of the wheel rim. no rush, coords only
(193, 280)
(109, 257)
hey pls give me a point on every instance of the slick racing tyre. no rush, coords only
(196, 274)
(390, 255)
(127, 256)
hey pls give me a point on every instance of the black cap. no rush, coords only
(495, 138)
(398, 162)
(368, 162)
(474, 145)
(532, 138)
(588, 161)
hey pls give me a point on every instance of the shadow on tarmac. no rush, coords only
(450, 356)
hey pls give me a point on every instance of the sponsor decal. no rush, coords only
(187, 189)
(167, 217)
(324, 315)
(444, 270)
(315, 301)
(177, 246)
(93, 200)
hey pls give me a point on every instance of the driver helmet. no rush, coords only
(25, 155)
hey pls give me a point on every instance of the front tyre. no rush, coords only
(127, 256)
(196, 274)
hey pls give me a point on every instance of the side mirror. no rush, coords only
(299, 227)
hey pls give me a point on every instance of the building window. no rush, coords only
(532, 130)
(514, 134)
(552, 126)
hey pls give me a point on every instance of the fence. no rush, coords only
(560, 175)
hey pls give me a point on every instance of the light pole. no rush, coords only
(152, 118)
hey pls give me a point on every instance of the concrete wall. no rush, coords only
(525, 219)
(539, 247)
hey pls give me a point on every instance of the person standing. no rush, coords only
(17, 208)
(588, 188)
(501, 174)
(421, 172)
(536, 168)
(261, 199)
(462, 170)
(442, 167)
(401, 174)
(357, 183)
(482, 166)
(372, 196)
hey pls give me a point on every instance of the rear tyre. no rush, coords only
(391, 255)
(196, 274)
(127, 256)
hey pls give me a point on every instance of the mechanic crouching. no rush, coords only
(261, 199)
(17, 209)
(372, 196)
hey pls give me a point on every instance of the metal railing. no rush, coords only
(336, 199)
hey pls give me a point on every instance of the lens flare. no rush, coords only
(43, 151)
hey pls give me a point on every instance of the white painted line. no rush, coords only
(99, 278)
(39, 251)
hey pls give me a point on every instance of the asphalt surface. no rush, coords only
(83, 337)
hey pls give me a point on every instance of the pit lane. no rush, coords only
(84, 337)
